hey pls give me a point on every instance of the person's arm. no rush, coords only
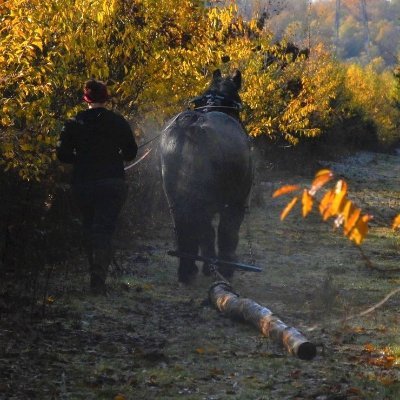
(129, 147)
(65, 146)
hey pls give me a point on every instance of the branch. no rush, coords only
(362, 313)
(370, 265)
(374, 307)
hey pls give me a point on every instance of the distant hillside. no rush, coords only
(361, 31)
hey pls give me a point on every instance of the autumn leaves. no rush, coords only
(333, 204)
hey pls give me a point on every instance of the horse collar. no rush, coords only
(212, 101)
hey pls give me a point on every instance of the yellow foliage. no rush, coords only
(348, 210)
(373, 93)
(321, 178)
(360, 229)
(396, 222)
(288, 208)
(285, 189)
(152, 54)
(307, 202)
(155, 56)
(334, 203)
(325, 204)
(339, 200)
(294, 102)
(353, 216)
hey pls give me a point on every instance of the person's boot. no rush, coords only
(97, 284)
(99, 271)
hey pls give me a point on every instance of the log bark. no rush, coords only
(230, 304)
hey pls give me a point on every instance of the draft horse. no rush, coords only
(207, 171)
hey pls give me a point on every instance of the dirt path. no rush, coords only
(154, 339)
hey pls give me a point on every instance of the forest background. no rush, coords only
(319, 80)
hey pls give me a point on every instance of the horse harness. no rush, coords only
(212, 101)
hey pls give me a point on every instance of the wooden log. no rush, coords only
(230, 304)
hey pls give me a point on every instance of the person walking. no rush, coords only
(97, 142)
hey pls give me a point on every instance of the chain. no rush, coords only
(217, 274)
(247, 214)
(249, 240)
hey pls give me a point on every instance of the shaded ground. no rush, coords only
(152, 338)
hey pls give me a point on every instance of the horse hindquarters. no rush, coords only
(187, 178)
(206, 170)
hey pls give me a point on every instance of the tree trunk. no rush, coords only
(230, 304)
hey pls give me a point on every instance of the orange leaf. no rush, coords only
(323, 172)
(338, 221)
(341, 186)
(288, 208)
(321, 178)
(339, 201)
(351, 221)
(369, 347)
(348, 210)
(307, 202)
(360, 230)
(396, 222)
(200, 350)
(343, 216)
(285, 189)
(325, 204)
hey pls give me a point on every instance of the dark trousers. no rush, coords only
(100, 203)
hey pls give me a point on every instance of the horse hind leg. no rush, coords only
(187, 242)
(231, 218)
(207, 240)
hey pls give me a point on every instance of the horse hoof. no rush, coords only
(187, 275)
(187, 278)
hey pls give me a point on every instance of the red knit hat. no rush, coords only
(95, 92)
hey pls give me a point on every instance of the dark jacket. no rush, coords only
(96, 142)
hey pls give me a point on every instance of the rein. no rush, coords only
(150, 140)
(213, 100)
(148, 151)
(231, 108)
(147, 142)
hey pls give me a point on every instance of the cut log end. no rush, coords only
(307, 351)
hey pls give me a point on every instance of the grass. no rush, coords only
(153, 338)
